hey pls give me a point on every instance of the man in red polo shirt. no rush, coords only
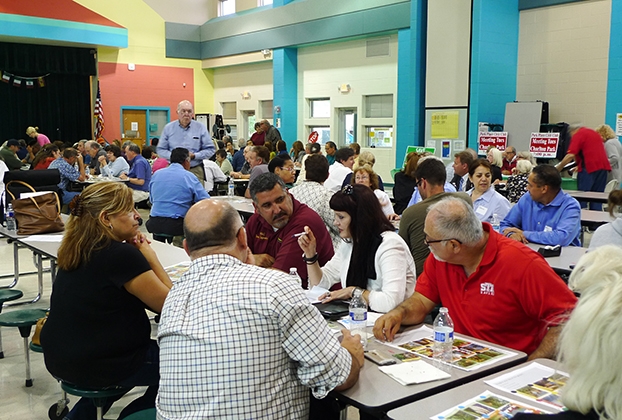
(588, 151)
(496, 289)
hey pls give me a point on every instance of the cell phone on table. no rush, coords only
(380, 358)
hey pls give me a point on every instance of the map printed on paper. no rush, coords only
(487, 406)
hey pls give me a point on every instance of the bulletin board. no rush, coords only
(446, 131)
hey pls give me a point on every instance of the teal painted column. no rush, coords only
(411, 53)
(614, 76)
(285, 90)
(494, 61)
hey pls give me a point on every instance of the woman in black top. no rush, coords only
(405, 183)
(97, 333)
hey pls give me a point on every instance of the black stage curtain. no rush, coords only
(62, 108)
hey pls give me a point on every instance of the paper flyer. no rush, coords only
(467, 355)
(487, 406)
(176, 271)
(534, 382)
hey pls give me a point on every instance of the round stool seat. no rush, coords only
(21, 318)
(147, 414)
(36, 348)
(9, 294)
(90, 392)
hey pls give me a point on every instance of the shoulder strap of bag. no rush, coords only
(15, 181)
(58, 207)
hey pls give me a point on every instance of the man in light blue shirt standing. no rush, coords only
(546, 215)
(173, 190)
(189, 134)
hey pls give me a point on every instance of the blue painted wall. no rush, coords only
(285, 82)
(614, 78)
(494, 61)
(411, 54)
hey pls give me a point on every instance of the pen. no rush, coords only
(297, 235)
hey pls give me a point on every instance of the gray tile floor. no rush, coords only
(16, 400)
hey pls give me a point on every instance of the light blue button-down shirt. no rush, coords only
(416, 197)
(173, 190)
(491, 202)
(194, 137)
(557, 223)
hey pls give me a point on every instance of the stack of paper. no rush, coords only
(414, 372)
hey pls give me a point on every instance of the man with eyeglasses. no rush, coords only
(431, 178)
(189, 134)
(495, 289)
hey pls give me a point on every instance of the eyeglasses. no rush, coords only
(427, 242)
(288, 168)
(418, 184)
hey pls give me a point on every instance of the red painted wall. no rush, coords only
(148, 86)
(55, 9)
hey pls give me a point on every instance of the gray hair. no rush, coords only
(133, 147)
(524, 166)
(265, 182)
(456, 219)
(184, 102)
(589, 344)
(92, 144)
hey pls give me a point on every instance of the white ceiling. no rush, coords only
(193, 12)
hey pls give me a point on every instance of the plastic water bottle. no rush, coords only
(231, 190)
(293, 274)
(495, 222)
(358, 315)
(443, 337)
(10, 218)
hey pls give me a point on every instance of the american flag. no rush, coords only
(98, 114)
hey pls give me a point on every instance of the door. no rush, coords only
(346, 126)
(249, 123)
(135, 126)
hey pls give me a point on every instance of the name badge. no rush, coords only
(481, 210)
(548, 229)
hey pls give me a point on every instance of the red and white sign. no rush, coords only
(485, 139)
(313, 137)
(544, 145)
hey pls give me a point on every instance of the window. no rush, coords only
(379, 106)
(229, 110)
(264, 2)
(226, 7)
(266, 110)
(323, 131)
(234, 133)
(379, 136)
(320, 108)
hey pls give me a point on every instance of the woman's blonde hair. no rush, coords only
(589, 346)
(365, 158)
(31, 130)
(606, 132)
(373, 177)
(85, 232)
(497, 157)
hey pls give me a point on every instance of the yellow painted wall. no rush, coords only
(146, 45)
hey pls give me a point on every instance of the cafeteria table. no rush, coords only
(436, 404)
(375, 393)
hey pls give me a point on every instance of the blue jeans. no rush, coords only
(595, 181)
(147, 375)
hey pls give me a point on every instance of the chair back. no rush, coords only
(43, 180)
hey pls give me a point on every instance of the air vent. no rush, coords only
(378, 47)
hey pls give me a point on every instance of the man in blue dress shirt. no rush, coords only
(546, 215)
(173, 190)
(189, 134)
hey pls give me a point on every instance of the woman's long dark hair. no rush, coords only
(367, 224)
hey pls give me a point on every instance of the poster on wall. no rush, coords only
(498, 139)
(618, 124)
(446, 149)
(445, 124)
(544, 145)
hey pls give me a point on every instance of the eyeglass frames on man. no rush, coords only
(433, 241)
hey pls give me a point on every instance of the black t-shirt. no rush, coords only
(97, 333)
